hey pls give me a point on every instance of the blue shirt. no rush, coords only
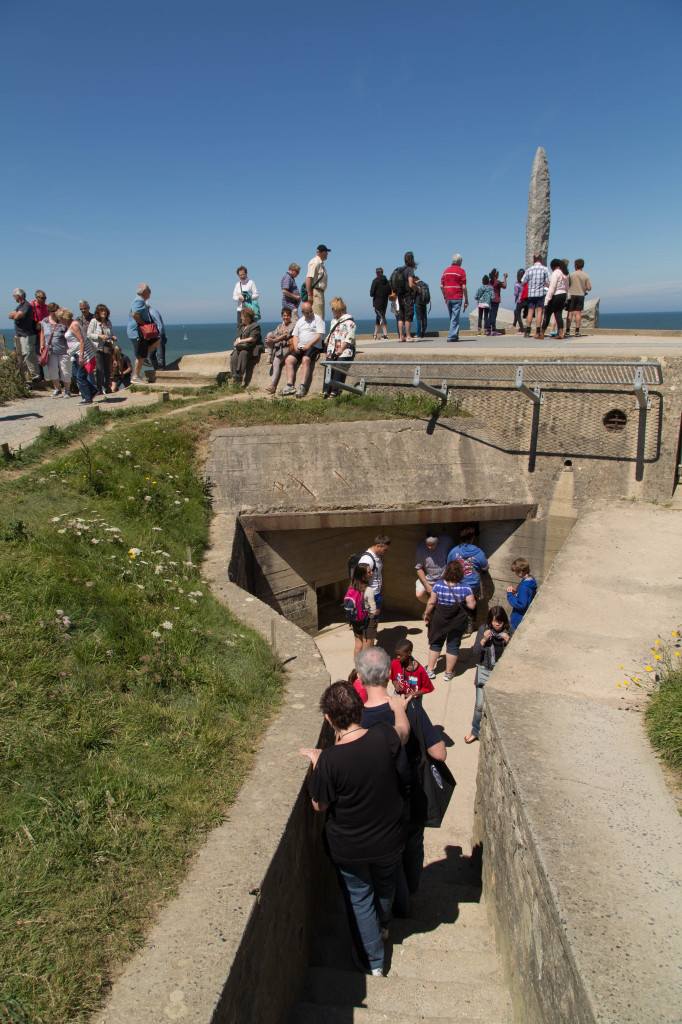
(473, 560)
(158, 320)
(139, 306)
(522, 600)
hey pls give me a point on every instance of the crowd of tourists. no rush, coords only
(49, 338)
(375, 782)
(52, 340)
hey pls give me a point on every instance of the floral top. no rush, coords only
(484, 295)
(341, 340)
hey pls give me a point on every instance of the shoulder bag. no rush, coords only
(432, 783)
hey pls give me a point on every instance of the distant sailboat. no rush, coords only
(185, 338)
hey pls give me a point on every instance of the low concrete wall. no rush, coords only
(581, 838)
(233, 945)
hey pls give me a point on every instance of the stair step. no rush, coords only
(473, 966)
(314, 1013)
(328, 986)
(332, 947)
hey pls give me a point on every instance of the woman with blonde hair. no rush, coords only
(340, 344)
(80, 348)
(59, 361)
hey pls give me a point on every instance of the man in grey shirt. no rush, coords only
(430, 559)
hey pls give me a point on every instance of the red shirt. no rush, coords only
(39, 311)
(413, 679)
(453, 281)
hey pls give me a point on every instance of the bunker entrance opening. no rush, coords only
(298, 562)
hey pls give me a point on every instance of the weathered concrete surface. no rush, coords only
(538, 220)
(233, 946)
(443, 964)
(581, 839)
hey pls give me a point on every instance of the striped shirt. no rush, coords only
(451, 593)
(537, 278)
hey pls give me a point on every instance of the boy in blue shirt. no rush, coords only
(471, 557)
(521, 596)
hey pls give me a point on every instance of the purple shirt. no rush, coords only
(289, 282)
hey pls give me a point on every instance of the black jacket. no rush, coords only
(380, 291)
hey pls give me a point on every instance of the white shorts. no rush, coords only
(419, 588)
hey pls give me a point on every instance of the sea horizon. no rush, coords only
(219, 337)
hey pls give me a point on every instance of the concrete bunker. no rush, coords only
(297, 562)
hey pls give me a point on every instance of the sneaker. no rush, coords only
(553, 334)
(447, 676)
(287, 390)
(526, 334)
(577, 334)
(85, 401)
(56, 393)
(66, 395)
(496, 334)
(136, 380)
(430, 673)
(377, 972)
(301, 391)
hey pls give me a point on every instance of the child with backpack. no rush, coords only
(407, 675)
(484, 296)
(422, 299)
(360, 605)
(474, 562)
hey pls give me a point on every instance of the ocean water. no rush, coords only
(220, 337)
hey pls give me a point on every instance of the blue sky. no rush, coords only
(170, 143)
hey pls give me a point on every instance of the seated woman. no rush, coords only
(356, 780)
(340, 344)
(121, 370)
(247, 348)
(277, 342)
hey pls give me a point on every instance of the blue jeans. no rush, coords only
(482, 676)
(368, 890)
(420, 313)
(454, 309)
(86, 385)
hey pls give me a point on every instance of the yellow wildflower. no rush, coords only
(649, 668)
(658, 657)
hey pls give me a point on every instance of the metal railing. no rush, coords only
(527, 377)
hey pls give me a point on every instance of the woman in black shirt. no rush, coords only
(356, 781)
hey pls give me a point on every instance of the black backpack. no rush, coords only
(398, 281)
(424, 293)
(354, 559)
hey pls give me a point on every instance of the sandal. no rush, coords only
(470, 738)
(271, 388)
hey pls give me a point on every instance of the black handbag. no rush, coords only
(432, 783)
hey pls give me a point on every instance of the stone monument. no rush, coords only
(537, 224)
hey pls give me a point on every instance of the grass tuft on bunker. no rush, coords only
(130, 706)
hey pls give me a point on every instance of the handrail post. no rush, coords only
(441, 393)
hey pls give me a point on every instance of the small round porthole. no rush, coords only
(615, 420)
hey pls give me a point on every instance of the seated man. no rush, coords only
(307, 337)
(430, 559)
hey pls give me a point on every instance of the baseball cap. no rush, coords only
(323, 248)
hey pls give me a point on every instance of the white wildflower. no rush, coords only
(195, 593)
(156, 634)
(166, 625)
(147, 497)
(135, 552)
(140, 586)
(94, 540)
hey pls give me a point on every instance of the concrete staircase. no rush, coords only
(441, 964)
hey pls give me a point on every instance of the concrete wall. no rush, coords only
(581, 838)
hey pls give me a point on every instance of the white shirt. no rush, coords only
(374, 562)
(306, 330)
(244, 286)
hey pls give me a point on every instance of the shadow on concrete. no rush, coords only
(21, 416)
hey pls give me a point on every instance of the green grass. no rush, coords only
(254, 411)
(664, 720)
(11, 384)
(121, 741)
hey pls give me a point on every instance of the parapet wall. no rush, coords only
(580, 836)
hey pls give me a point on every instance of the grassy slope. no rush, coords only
(117, 747)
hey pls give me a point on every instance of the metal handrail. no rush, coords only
(625, 373)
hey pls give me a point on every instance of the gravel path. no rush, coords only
(22, 419)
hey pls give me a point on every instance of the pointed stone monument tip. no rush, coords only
(537, 223)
